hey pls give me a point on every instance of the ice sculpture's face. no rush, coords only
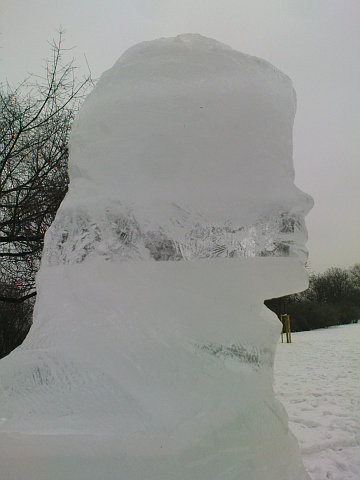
(194, 141)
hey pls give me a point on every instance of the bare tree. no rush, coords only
(330, 287)
(35, 122)
(355, 275)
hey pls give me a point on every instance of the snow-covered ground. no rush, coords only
(317, 378)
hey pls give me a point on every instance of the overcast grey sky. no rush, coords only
(315, 42)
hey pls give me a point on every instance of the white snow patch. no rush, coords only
(317, 378)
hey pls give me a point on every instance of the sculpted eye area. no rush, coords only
(118, 234)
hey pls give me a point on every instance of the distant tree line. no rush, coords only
(333, 298)
(35, 122)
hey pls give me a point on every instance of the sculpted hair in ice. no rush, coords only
(183, 151)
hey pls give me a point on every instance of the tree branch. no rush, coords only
(17, 299)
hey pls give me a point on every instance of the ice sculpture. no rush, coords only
(151, 353)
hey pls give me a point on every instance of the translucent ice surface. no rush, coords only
(151, 354)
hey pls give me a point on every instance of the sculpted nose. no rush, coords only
(303, 202)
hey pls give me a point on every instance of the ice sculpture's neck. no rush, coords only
(167, 333)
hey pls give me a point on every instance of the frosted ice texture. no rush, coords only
(151, 353)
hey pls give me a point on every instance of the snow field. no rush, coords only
(317, 378)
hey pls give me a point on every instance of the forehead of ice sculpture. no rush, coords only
(191, 121)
